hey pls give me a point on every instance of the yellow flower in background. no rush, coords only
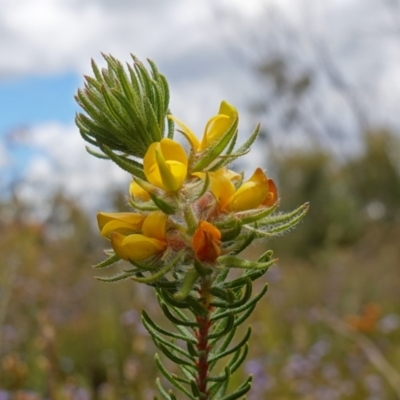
(150, 242)
(206, 242)
(258, 190)
(165, 165)
(123, 223)
(215, 128)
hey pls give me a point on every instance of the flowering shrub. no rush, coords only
(191, 218)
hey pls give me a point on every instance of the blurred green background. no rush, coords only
(67, 336)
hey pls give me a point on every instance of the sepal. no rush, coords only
(164, 206)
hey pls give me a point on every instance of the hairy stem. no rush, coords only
(202, 339)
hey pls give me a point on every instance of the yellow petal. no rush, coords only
(221, 187)
(138, 193)
(259, 177)
(117, 226)
(150, 166)
(214, 130)
(228, 173)
(218, 126)
(165, 164)
(116, 243)
(139, 247)
(172, 150)
(251, 194)
(178, 171)
(187, 132)
(228, 109)
(154, 225)
(119, 222)
(136, 247)
(172, 173)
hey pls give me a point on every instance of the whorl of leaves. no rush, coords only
(125, 111)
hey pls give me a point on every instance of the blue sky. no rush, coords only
(28, 101)
(209, 50)
(31, 100)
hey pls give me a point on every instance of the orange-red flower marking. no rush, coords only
(206, 242)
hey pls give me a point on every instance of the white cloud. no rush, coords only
(61, 163)
(207, 50)
(48, 36)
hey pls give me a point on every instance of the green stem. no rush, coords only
(202, 339)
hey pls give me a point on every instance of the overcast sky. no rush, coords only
(208, 50)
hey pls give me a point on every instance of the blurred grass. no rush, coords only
(65, 335)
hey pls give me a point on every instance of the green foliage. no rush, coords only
(374, 177)
(125, 111)
(207, 325)
(345, 196)
(206, 308)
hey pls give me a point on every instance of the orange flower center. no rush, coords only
(206, 242)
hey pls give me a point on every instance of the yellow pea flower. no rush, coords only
(206, 242)
(215, 128)
(258, 190)
(165, 165)
(250, 194)
(150, 242)
(123, 223)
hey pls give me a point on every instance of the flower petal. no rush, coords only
(138, 193)
(187, 132)
(150, 166)
(221, 187)
(179, 172)
(121, 222)
(139, 247)
(154, 225)
(172, 150)
(206, 242)
(251, 194)
(116, 243)
(136, 247)
(214, 130)
(117, 226)
(218, 126)
(272, 196)
(165, 165)
(228, 173)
